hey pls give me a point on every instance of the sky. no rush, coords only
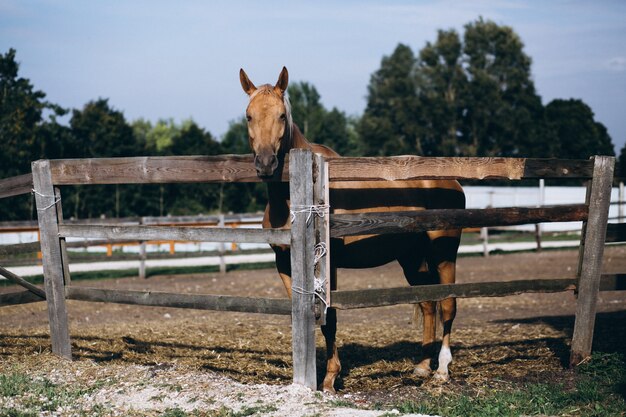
(158, 59)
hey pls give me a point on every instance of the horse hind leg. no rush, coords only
(420, 276)
(329, 330)
(448, 313)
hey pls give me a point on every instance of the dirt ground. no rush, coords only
(497, 342)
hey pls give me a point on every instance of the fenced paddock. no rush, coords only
(304, 234)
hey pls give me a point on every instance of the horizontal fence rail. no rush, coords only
(346, 300)
(156, 170)
(441, 219)
(398, 168)
(191, 234)
(22, 184)
(20, 297)
(195, 301)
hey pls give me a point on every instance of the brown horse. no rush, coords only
(426, 258)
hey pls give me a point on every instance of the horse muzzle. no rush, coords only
(265, 164)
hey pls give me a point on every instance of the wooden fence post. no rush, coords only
(321, 197)
(221, 246)
(302, 268)
(52, 259)
(142, 254)
(590, 257)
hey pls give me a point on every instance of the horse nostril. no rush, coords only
(265, 164)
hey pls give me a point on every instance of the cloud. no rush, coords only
(617, 64)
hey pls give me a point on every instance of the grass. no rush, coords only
(600, 391)
(32, 396)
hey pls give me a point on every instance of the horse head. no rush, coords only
(269, 122)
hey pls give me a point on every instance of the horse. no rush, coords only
(425, 258)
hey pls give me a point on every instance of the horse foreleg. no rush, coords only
(329, 330)
(448, 312)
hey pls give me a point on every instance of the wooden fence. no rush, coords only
(310, 177)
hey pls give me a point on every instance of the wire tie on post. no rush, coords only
(56, 199)
(320, 252)
(320, 210)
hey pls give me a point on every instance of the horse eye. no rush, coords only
(248, 117)
(283, 116)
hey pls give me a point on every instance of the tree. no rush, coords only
(99, 131)
(503, 109)
(390, 125)
(22, 109)
(441, 84)
(473, 97)
(577, 134)
(331, 128)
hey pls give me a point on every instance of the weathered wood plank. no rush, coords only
(67, 278)
(21, 184)
(591, 258)
(321, 197)
(16, 298)
(410, 295)
(439, 219)
(397, 168)
(156, 170)
(18, 248)
(302, 269)
(52, 260)
(615, 232)
(190, 234)
(22, 282)
(194, 301)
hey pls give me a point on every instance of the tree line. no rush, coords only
(460, 95)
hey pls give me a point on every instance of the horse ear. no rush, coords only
(283, 81)
(246, 84)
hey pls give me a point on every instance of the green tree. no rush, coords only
(188, 199)
(390, 125)
(99, 131)
(441, 85)
(22, 111)
(504, 112)
(331, 128)
(578, 135)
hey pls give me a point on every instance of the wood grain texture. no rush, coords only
(18, 248)
(195, 301)
(397, 168)
(22, 282)
(302, 270)
(410, 295)
(52, 260)
(189, 234)
(322, 233)
(590, 262)
(21, 184)
(156, 170)
(440, 219)
(16, 298)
